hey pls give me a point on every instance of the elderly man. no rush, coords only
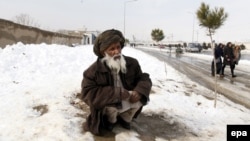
(114, 86)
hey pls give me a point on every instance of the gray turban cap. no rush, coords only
(105, 39)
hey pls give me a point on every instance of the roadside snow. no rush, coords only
(49, 76)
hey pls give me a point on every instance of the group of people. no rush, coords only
(230, 55)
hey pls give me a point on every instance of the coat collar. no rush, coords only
(102, 67)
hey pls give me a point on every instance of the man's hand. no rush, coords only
(124, 94)
(134, 97)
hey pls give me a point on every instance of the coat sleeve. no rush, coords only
(96, 95)
(144, 83)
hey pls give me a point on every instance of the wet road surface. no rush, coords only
(199, 70)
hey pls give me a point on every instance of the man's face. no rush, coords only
(114, 58)
(114, 50)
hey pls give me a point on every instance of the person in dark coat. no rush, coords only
(218, 53)
(114, 86)
(228, 59)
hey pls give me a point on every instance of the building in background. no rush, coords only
(89, 37)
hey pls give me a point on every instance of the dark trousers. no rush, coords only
(218, 67)
(232, 66)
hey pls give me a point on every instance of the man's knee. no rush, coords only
(111, 113)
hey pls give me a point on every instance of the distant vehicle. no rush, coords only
(179, 50)
(161, 46)
(193, 47)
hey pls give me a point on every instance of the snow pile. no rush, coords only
(39, 82)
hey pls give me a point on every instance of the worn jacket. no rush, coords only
(228, 55)
(98, 89)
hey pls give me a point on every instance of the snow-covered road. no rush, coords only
(197, 66)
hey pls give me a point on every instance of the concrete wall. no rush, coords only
(11, 33)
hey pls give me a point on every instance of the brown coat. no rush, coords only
(98, 89)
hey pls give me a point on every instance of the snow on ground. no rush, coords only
(49, 76)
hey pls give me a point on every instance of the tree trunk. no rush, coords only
(215, 69)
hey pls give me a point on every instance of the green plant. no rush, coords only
(157, 35)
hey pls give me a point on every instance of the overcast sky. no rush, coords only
(174, 17)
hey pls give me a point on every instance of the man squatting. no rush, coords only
(114, 86)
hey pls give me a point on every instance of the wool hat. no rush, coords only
(105, 39)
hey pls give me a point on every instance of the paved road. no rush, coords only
(237, 89)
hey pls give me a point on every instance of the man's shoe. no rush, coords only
(123, 123)
(108, 125)
(233, 75)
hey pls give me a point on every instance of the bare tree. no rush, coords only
(25, 19)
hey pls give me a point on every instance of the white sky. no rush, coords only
(51, 75)
(174, 17)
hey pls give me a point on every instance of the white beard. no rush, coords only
(115, 64)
